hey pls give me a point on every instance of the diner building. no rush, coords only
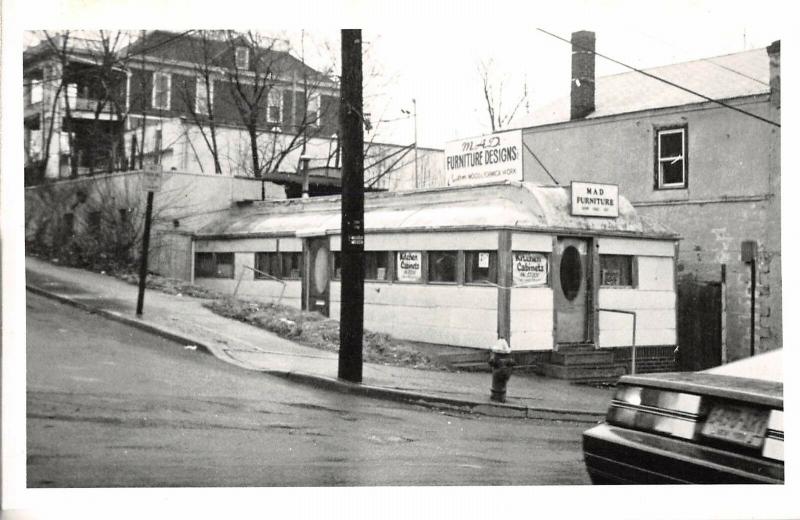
(464, 266)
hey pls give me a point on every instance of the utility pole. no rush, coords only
(416, 178)
(351, 321)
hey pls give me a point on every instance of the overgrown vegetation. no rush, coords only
(314, 330)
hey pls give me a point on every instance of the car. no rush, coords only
(718, 426)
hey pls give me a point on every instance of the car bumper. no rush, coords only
(616, 455)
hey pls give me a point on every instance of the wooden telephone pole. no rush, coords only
(351, 321)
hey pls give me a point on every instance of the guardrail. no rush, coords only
(633, 342)
(267, 275)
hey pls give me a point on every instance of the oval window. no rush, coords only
(571, 275)
(321, 270)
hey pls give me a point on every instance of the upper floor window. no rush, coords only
(312, 110)
(242, 58)
(161, 90)
(274, 106)
(671, 160)
(36, 93)
(204, 98)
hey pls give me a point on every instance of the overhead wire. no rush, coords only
(668, 82)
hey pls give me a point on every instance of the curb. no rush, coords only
(378, 392)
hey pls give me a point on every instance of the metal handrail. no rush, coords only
(633, 345)
(267, 275)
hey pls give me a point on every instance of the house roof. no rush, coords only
(722, 77)
(188, 47)
(523, 206)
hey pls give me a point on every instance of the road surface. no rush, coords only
(109, 405)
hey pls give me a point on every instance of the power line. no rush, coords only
(540, 162)
(653, 76)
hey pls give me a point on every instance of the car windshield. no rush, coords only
(767, 366)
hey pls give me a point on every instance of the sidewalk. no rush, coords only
(185, 320)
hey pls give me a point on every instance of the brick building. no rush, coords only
(709, 172)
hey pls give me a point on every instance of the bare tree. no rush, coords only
(250, 87)
(199, 98)
(493, 85)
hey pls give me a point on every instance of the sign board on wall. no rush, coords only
(409, 266)
(488, 158)
(590, 199)
(530, 268)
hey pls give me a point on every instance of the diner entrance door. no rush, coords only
(317, 290)
(571, 290)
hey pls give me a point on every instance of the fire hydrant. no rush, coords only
(502, 366)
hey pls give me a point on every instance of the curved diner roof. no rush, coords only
(510, 205)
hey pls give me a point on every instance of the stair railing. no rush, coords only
(266, 275)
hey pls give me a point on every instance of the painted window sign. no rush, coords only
(483, 260)
(409, 266)
(530, 268)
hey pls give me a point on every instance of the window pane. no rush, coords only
(224, 265)
(204, 265)
(442, 266)
(481, 266)
(337, 265)
(266, 263)
(376, 265)
(571, 272)
(671, 144)
(616, 270)
(672, 172)
(292, 265)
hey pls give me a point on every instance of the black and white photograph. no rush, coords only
(395, 261)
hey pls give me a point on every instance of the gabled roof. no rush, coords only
(720, 78)
(522, 206)
(176, 46)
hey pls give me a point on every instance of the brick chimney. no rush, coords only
(582, 85)
(774, 52)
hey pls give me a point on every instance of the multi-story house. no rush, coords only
(698, 152)
(201, 102)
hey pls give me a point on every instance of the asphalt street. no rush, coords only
(109, 406)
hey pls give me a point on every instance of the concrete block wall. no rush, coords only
(712, 236)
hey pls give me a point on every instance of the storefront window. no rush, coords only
(376, 265)
(442, 266)
(291, 265)
(213, 265)
(267, 264)
(481, 266)
(616, 271)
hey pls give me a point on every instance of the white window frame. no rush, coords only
(315, 98)
(201, 83)
(36, 91)
(169, 90)
(660, 160)
(275, 93)
(239, 58)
